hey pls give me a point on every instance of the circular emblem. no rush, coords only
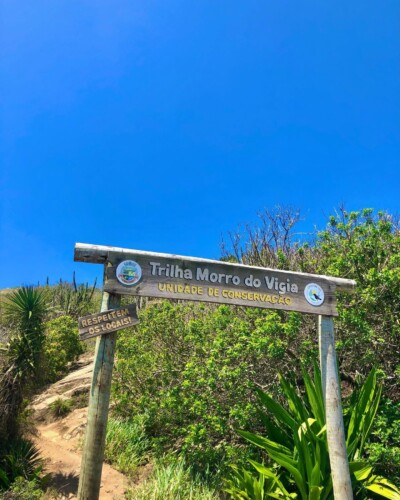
(129, 272)
(314, 294)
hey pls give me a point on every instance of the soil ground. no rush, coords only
(60, 440)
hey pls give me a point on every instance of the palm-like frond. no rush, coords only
(26, 310)
(296, 441)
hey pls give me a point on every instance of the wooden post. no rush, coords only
(93, 451)
(333, 408)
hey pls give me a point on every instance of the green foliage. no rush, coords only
(365, 246)
(19, 459)
(127, 445)
(4, 480)
(359, 417)
(61, 347)
(25, 310)
(296, 442)
(23, 489)
(190, 369)
(173, 481)
(243, 485)
(61, 407)
(71, 299)
(384, 448)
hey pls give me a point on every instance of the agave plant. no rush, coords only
(22, 460)
(244, 485)
(296, 442)
(25, 310)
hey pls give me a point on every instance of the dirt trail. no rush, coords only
(59, 440)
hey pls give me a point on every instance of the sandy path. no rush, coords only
(59, 441)
(63, 464)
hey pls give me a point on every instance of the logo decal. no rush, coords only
(129, 272)
(314, 294)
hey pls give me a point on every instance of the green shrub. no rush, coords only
(190, 369)
(61, 407)
(364, 245)
(81, 398)
(61, 346)
(384, 447)
(22, 489)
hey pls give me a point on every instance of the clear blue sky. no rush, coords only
(161, 125)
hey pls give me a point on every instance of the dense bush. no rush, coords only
(191, 369)
(61, 346)
(384, 447)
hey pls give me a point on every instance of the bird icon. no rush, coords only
(315, 295)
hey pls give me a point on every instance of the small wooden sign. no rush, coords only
(107, 321)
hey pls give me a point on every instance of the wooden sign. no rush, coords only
(134, 272)
(107, 321)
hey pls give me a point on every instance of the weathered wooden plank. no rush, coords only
(333, 408)
(107, 321)
(211, 281)
(99, 254)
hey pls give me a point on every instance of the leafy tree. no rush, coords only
(365, 246)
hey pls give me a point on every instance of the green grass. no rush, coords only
(61, 407)
(127, 446)
(81, 399)
(172, 481)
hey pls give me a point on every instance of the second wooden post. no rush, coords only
(333, 409)
(93, 452)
